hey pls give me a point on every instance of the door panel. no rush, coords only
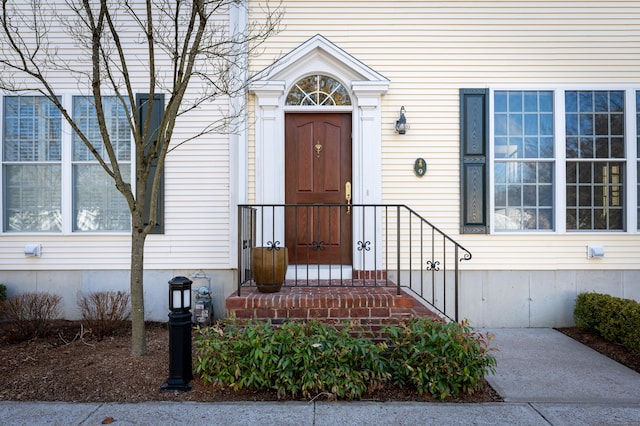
(318, 164)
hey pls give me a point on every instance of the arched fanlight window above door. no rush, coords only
(318, 90)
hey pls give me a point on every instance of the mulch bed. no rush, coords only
(71, 365)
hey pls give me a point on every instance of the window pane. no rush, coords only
(98, 206)
(545, 195)
(32, 129)
(116, 118)
(586, 147)
(517, 203)
(597, 187)
(571, 102)
(32, 153)
(586, 124)
(529, 195)
(546, 101)
(546, 124)
(500, 102)
(32, 198)
(318, 90)
(545, 172)
(500, 123)
(585, 101)
(530, 101)
(616, 101)
(546, 148)
(602, 124)
(515, 101)
(522, 131)
(530, 124)
(515, 125)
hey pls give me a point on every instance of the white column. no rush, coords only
(367, 174)
(270, 157)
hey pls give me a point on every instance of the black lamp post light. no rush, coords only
(180, 366)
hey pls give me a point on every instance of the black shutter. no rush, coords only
(474, 161)
(142, 100)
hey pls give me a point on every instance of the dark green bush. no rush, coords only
(613, 318)
(295, 358)
(439, 359)
(310, 358)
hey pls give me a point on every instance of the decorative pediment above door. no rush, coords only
(362, 85)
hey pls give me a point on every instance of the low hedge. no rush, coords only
(613, 318)
(310, 358)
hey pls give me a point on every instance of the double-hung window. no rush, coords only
(32, 164)
(51, 182)
(560, 160)
(523, 160)
(595, 153)
(97, 204)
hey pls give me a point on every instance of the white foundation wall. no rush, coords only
(493, 299)
(69, 284)
(536, 298)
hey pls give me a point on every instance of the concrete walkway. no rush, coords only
(545, 378)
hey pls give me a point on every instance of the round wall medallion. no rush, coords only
(420, 167)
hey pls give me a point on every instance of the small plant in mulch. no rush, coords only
(104, 313)
(31, 314)
(312, 358)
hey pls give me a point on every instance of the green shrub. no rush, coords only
(295, 358)
(310, 358)
(104, 312)
(32, 313)
(439, 359)
(613, 318)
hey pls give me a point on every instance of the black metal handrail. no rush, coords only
(392, 246)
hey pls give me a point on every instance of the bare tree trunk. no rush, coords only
(138, 336)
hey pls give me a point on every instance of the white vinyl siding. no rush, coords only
(429, 50)
(198, 214)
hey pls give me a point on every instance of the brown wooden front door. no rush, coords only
(318, 167)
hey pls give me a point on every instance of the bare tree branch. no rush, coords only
(183, 49)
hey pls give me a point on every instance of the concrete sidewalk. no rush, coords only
(544, 376)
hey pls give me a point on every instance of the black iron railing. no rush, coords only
(355, 245)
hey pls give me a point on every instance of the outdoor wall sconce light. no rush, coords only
(401, 123)
(180, 366)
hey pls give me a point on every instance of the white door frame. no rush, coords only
(366, 87)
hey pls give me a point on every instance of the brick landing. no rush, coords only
(366, 305)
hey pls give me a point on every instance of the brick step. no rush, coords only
(364, 305)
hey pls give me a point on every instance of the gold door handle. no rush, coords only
(347, 190)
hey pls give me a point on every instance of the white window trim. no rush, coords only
(66, 179)
(560, 196)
